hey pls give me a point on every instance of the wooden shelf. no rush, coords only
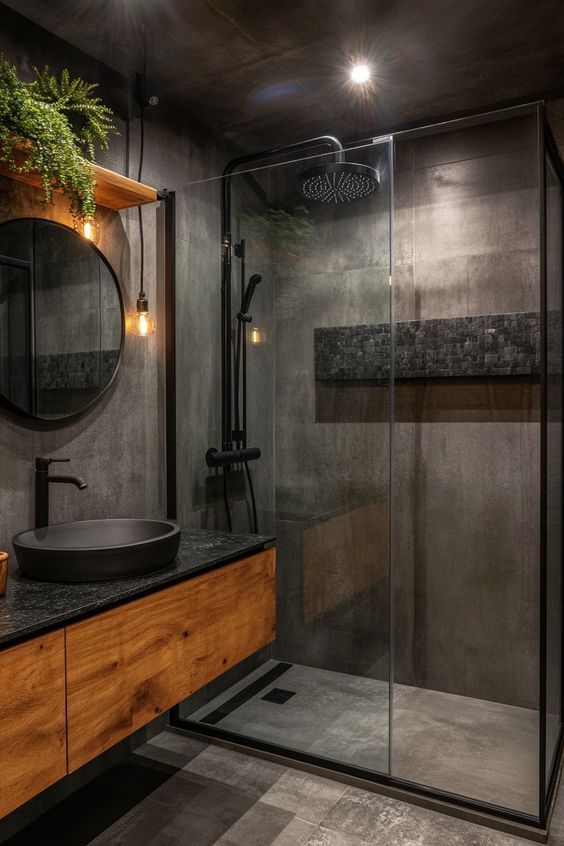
(119, 192)
(113, 190)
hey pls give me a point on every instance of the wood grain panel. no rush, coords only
(113, 190)
(32, 719)
(127, 665)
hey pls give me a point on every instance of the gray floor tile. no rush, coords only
(253, 776)
(307, 796)
(381, 821)
(296, 833)
(162, 756)
(325, 837)
(335, 715)
(199, 820)
(147, 824)
(184, 789)
(261, 825)
(483, 750)
(179, 744)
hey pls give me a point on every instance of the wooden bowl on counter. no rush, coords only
(3, 572)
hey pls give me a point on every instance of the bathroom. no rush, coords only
(299, 577)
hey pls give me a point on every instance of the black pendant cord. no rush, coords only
(140, 208)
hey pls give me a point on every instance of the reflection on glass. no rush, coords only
(322, 483)
(467, 510)
(466, 469)
(66, 297)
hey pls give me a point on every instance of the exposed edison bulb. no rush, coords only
(91, 229)
(256, 336)
(360, 73)
(142, 324)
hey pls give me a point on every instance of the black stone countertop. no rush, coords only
(30, 607)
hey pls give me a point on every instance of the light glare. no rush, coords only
(360, 73)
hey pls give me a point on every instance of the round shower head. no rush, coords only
(338, 182)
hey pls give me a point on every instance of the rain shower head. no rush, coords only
(338, 182)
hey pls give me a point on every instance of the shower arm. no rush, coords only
(226, 370)
(263, 155)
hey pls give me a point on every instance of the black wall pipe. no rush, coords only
(226, 255)
(232, 456)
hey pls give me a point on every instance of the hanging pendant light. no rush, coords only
(143, 324)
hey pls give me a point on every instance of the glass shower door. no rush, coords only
(318, 375)
(468, 446)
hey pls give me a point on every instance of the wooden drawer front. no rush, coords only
(127, 665)
(33, 753)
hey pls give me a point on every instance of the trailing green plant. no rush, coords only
(90, 120)
(58, 123)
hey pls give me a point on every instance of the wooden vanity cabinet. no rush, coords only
(33, 752)
(127, 665)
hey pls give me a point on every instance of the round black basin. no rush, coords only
(97, 550)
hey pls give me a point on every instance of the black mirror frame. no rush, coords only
(46, 423)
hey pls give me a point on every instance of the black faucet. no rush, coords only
(42, 481)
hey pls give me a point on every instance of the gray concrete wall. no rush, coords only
(331, 474)
(199, 353)
(119, 446)
(467, 495)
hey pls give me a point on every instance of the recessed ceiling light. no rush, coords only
(360, 73)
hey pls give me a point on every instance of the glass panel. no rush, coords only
(553, 462)
(318, 385)
(467, 446)
(71, 334)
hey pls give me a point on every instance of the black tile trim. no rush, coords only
(244, 695)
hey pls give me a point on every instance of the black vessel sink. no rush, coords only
(96, 550)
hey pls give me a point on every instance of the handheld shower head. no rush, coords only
(255, 279)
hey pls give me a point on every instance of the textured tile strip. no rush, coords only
(75, 370)
(482, 345)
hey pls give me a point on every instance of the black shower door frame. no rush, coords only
(468, 808)
(547, 148)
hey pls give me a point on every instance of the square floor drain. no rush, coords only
(278, 695)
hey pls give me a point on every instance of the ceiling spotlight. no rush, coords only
(360, 73)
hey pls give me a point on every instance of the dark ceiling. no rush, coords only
(266, 72)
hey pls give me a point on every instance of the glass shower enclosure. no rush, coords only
(399, 365)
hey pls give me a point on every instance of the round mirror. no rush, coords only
(61, 320)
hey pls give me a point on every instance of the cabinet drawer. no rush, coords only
(127, 665)
(33, 752)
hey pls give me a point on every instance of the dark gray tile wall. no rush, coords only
(467, 492)
(331, 479)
